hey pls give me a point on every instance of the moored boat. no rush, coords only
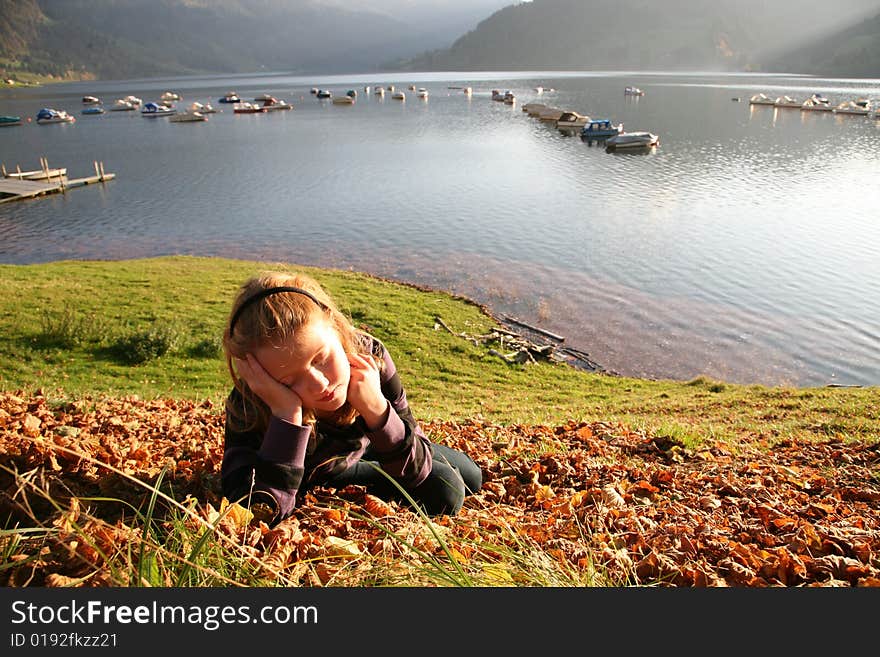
(49, 115)
(271, 104)
(422, 93)
(859, 107)
(600, 129)
(9, 120)
(248, 108)
(170, 97)
(633, 91)
(570, 119)
(788, 101)
(761, 99)
(188, 116)
(122, 105)
(95, 109)
(632, 140)
(202, 108)
(230, 97)
(343, 100)
(398, 95)
(324, 93)
(152, 109)
(90, 100)
(817, 103)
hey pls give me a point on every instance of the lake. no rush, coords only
(746, 247)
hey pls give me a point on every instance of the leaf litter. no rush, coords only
(642, 509)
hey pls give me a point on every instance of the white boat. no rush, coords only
(633, 91)
(422, 93)
(761, 99)
(324, 93)
(380, 91)
(202, 108)
(817, 103)
(230, 97)
(788, 101)
(859, 107)
(187, 116)
(539, 90)
(134, 100)
(151, 110)
(170, 97)
(343, 100)
(509, 98)
(248, 108)
(398, 95)
(270, 104)
(49, 115)
(571, 119)
(122, 105)
(467, 91)
(633, 140)
(91, 100)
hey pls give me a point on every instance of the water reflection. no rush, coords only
(745, 246)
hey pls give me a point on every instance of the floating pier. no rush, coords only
(18, 185)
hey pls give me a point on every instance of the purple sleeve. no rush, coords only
(266, 469)
(401, 446)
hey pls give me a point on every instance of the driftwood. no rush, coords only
(516, 349)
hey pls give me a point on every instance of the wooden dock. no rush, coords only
(18, 185)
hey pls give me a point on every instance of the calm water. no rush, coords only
(746, 247)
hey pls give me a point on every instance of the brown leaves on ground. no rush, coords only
(642, 509)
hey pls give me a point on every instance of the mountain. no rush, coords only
(853, 52)
(641, 34)
(144, 38)
(71, 39)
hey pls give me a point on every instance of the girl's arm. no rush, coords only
(399, 443)
(263, 472)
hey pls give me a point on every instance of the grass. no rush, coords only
(151, 327)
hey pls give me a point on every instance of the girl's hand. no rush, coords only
(365, 391)
(281, 400)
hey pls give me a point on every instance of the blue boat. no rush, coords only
(600, 129)
(93, 110)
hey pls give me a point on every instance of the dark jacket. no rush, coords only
(270, 468)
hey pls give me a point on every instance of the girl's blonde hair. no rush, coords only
(276, 319)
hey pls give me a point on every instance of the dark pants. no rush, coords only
(453, 475)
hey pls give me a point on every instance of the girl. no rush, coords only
(318, 402)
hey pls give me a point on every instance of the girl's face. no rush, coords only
(314, 365)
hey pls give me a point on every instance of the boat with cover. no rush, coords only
(91, 100)
(49, 115)
(151, 110)
(95, 109)
(343, 100)
(9, 120)
(632, 140)
(230, 97)
(324, 93)
(398, 95)
(571, 119)
(600, 129)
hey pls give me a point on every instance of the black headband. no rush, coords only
(265, 293)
